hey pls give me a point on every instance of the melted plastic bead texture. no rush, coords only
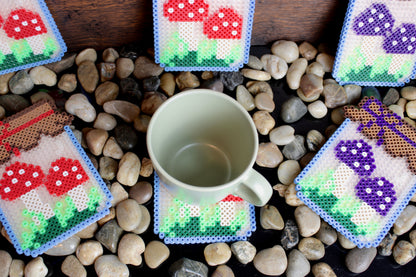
(49, 188)
(202, 34)
(378, 43)
(28, 35)
(364, 176)
(176, 222)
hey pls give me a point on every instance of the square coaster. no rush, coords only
(378, 43)
(364, 176)
(198, 35)
(28, 35)
(176, 222)
(49, 189)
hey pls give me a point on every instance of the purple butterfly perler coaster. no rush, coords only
(364, 176)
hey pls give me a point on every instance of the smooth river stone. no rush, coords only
(256, 87)
(391, 97)
(257, 75)
(109, 234)
(282, 135)
(41, 95)
(405, 221)
(96, 139)
(167, 83)
(307, 50)
(244, 251)
(68, 82)
(130, 90)
(17, 268)
(42, 75)
(293, 110)
(311, 85)
(404, 252)
(142, 192)
(297, 264)
(296, 149)
(344, 242)
(145, 68)
(88, 232)
(264, 122)
(141, 123)
(124, 67)
(290, 235)
(72, 267)
(108, 168)
(107, 71)
(213, 84)
(151, 83)
(5, 262)
(186, 80)
(152, 101)
(185, 267)
(269, 155)
(105, 121)
(312, 248)
(110, 55)
(13, 103)
(408, 93)
(65, 63)
(371, 92)
(105, 92)
(128, 214)
(326, 60)
(223, 271)
(124, 109)
(118, 192)
(36, 268)
(359, 260)
(287, 50)
(254, 62)
(126, 137)
(144, 221)
(275, 65)
(65, 247)
(302, 96)
(353, 93)
(291, 197)
(147, 167)
(21, 83)
(335, 95)
(217, 253)
(89, 251)
(322, 270)
(264, 102)
(315, 68)
(4, 82)
(307, 220)
(385, 247)
(318, 109)
(412, 237)
(88, 54)
(411, 109)
(129, 169)
(110, 266)
(112, 149)
(287, 171)
(271, 261)
(130, 249)
(270, 218)
(295, 73)
(88, 76)
(155, 254)
(314, 140)
(78, 105)
(326, 234)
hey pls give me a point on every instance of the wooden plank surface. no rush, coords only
(104, 23)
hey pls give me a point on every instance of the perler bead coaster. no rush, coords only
(202, 34)
(378, 43)
(179, 223)
(49, 189)
(28, 35)
(364, 176)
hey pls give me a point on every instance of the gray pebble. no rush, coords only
(65, 247)
(126, 137)
(271, 261)
(405, 221)
(290, 235)
(188, 268)
(244, 97)
(244, 251)
(293, 110)
(353, 93)
(21, 83)
(213, 84)
(391, 97)
(109, 235)
(307, 220)
(359, 260)
(231, 79)
(335, 95)
(270, 218)
(386, 245)
(326, 234)
(108, 168)
(297, 264)
(296, 149)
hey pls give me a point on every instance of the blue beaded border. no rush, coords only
(58, 38)
(204, 68)
(343, 37)
(105, 211)
(328, 218)
(197, 239)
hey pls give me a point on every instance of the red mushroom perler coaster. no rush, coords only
(28, 35)
(49, 189)
(202, 34)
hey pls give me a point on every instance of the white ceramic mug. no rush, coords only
(203, 145)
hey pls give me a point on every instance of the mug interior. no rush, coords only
(202, 138)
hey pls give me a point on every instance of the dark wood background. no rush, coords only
(105, 23)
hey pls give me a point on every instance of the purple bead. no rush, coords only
(402, 41)
(374, 21)
(378, 193)
(357, 155)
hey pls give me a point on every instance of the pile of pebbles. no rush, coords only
(114, 93)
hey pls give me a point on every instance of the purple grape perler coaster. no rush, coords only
(378, 43)
(364, 176)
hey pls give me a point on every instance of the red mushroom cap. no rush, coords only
(20, 178)
(64, 175)
(226, 23)
(23, 24)
(1, 21)
(232, 198)
(185, 10)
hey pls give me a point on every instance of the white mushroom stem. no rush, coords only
(33, 203)
(342, 176)
(187, 33)
(5, 45)
(227, 210)
(79, 197)
(364, 214)
(397, 61)
(369, 47)
(36, 44)
(224, 48)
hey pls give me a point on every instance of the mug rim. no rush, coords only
(164, 174)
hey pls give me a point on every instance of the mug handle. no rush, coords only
(255, 189)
